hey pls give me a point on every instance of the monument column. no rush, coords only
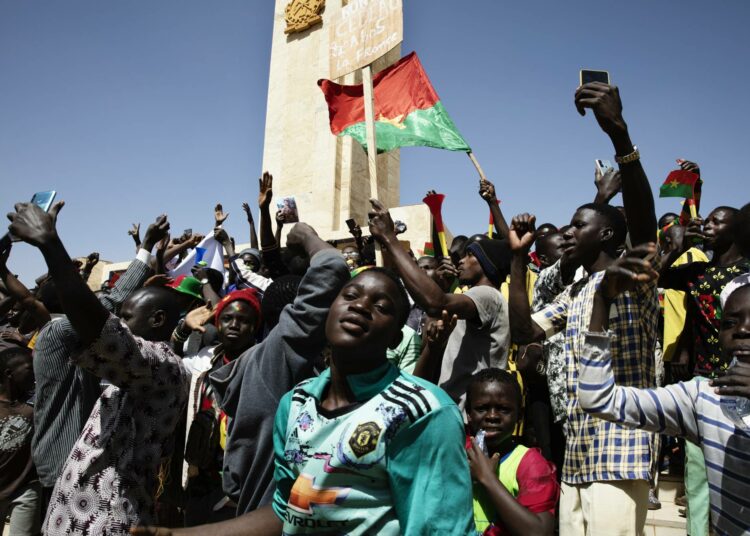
(327, 175)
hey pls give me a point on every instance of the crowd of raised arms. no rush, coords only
(532, 382)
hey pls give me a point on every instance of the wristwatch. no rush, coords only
(628, 158)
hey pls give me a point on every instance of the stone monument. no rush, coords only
(327, 175)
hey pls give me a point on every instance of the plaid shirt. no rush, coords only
(598, 450)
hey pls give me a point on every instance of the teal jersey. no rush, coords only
(393, 463)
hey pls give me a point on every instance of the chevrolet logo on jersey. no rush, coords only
(305, 494)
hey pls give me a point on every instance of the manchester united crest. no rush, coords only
(365, 438)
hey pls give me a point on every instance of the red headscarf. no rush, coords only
(249, 296)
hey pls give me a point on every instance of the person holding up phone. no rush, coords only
(603, 492)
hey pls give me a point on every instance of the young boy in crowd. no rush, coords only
(516, 489)
(363, 448)
(688, 409)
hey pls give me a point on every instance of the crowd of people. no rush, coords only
(534, 380)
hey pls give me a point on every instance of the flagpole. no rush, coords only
(372, 148)
(476, 165)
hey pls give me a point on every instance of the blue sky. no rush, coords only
(133, 108)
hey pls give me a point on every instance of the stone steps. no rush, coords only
(666, 521)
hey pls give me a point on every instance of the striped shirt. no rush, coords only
(596, 450)
(687, 409)
(66, 394)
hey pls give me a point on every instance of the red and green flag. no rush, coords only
(679, 183)
(408, 111)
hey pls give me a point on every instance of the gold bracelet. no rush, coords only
(628, 158)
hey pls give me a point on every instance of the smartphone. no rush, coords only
(603, 166)
(44, 200)
(587, 75)
(351, 223)
(187, 232)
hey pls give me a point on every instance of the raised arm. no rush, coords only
(265, 195)
(37, 227)
(425, 292)
(139, 270)
(604, 101)
(91, 261)
(251, 223)
(135, 232)
(434, 339)
(487, 192)
(279, 226)
(20, 294)
(520, 238)
(667, 410)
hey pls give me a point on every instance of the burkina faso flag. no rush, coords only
(679, 183)
(408, 111)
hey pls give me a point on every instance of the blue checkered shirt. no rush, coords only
(597, 450)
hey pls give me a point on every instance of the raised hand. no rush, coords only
(155, 232)
(33, 225)
(92, 259)
(633, 268)
(487, 191)
(219, 215)
(381, 224)
(604, 101)
(437, 330)
(221, 236)
(607, 184)
(198, 317)
(687, 165)
(135, 232)
(446, 270)
(195, 239)
(248, 212)
(265, 187)
(521, 233)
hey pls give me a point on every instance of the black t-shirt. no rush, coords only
(16, 430)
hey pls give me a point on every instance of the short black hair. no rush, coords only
(278, 295)
(615, 220)
(403, 306)
(9, 354)
(543, 242)
(667, 216)
(161, 298)
(490, 375)
(741, 230)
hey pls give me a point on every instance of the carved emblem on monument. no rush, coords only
(302, 14)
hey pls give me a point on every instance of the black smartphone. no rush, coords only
(587, 75)
(351, 223)
(187, 232)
